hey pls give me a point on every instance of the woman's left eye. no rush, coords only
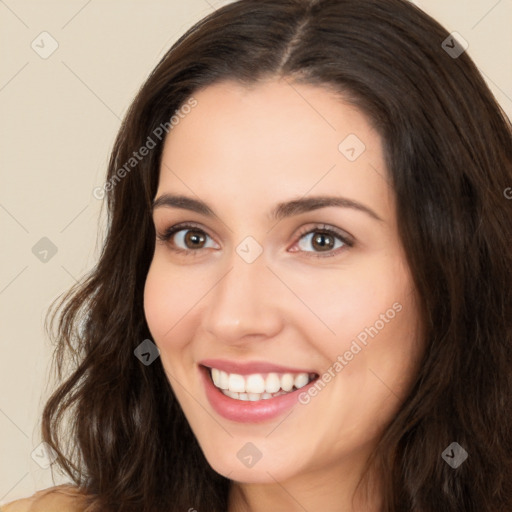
(323, 240)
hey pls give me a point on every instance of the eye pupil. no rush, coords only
(319, 241)
(196, 238)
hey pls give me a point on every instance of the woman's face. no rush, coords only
(292, 269)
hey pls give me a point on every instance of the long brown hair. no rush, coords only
(115, 423)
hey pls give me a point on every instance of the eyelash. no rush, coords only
(324, 229)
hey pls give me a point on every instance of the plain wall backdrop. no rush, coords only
(61, 107)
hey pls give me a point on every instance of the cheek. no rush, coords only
(164, 306)
(172, 299)
(154, 298)
(161, 307)
(347, 302)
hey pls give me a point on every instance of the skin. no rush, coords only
(242, 150)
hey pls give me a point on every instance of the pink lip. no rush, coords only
(247, 411)
(249, 367)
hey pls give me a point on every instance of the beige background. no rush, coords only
(59, 116)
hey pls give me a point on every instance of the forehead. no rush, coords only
(272, 140)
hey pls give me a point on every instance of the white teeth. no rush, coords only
(257, 386)
(251, 397)
(301, 380)
(223, 380)
(287, 382)
(236, 383)
(215, 377)
(272, 383)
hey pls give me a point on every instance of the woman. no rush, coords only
(304, 297)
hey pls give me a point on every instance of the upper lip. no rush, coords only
(248, 367)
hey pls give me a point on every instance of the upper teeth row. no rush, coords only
(257, 383)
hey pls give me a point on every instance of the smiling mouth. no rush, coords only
(258, 386)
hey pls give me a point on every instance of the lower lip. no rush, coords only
(244, 411)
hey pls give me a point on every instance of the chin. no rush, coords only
(234, 464)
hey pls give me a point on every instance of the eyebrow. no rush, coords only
(279, 212)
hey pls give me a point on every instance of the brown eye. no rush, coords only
(322, 241)
(194, 239)
(187, 239)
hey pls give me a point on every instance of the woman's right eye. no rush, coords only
(186, 239)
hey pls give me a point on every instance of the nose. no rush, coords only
(247, 303)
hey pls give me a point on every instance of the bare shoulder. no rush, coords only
(64, 498)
